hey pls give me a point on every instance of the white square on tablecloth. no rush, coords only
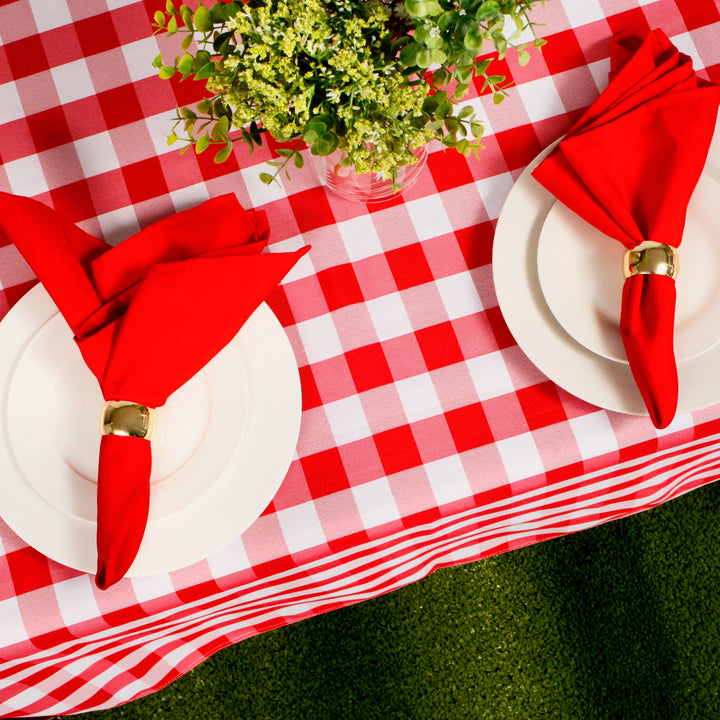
(347, 420)
(684, 43)
(231, 559)
(459, 295)
(151, 587)
(593, 434)
(360, 237)
(375, 503)
(599, 71)
(139, 56)
(429, 217)
(26, 176)
(301, 527)
(541, 99)
(118, 225)
(520, 457)
(319, 338)
(72, 81)
(159, 127)
(50, 15)
(583, 12)
(11, 622)
(418, 397)
(190, 196)
(96, 154)
(260, 194)
(76, 600)
(389, 316)
(11, 107)
(303, 268)
(448, 480)
(490, 375)
(494, 191)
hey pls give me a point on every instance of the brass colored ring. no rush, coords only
(650, 258)
(129, 419)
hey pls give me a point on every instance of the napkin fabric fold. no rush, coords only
(147, 315)
(629, 167)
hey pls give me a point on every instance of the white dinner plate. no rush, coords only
(584, 373)
(587, 304)
(224, 441)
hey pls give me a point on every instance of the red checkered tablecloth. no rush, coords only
(427, 439)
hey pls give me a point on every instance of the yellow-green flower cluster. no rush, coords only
(299, 59)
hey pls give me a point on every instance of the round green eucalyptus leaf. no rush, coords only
(202, 19)
(487, 11)
(474, 38)
(166, 71)
(223, 153)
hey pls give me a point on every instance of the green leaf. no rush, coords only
(186, 15)
(487, 11)
(523, 57)
(185, 65)
(220, 129)
(202, 144)
(204, 106)
(474, 39)
(223, 153)
(299, 160)
(157, 62)
(159, 18)
(186, 41)
(202, 19)
(443, 110)
(408, 55)
(482, 66)
(205, 71)
(498, 98)
(424, 58)
(500, 45)
(266, 178)
(166, 72)
(172, 25)
(476, 129)
(170, 7)
(325, 145)
(465, 112)
(172, 138)
(438, 56)
(461, 90)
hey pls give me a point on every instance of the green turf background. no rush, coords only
(620, 621)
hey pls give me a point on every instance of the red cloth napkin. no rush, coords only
(629, 167)
(147, 315)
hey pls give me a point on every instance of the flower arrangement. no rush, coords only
(376, 78)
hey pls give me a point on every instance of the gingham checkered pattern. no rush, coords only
(427, 436)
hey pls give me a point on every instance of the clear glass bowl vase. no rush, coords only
(365, 187)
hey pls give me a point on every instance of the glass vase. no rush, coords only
(365, 187)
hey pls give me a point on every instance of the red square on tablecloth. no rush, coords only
(324, 472)
(26, 57)
(563, 53)
(120, 106)
(340, 286)
(439, 345)
(541, 405)
(144, 180)
(397, 449)
(97, 34)
(49, 129)
(469, 427)
(28, 569)
(369, 367)
(409, 266)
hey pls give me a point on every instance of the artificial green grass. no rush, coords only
(617, 622)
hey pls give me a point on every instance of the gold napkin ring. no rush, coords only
(120, 417)
(651, 258)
